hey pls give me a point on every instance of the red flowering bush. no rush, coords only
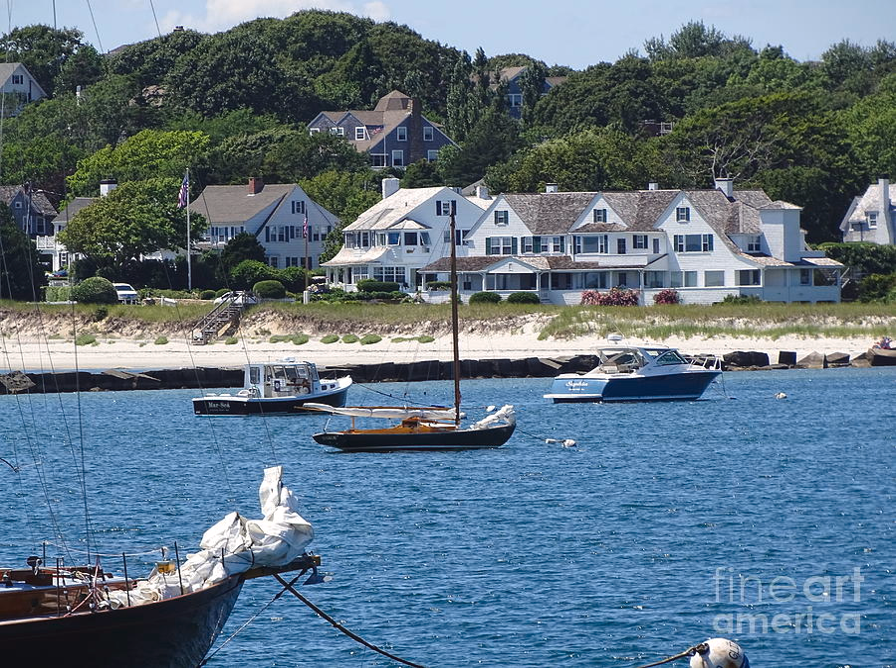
(613, 297)
(667, 296)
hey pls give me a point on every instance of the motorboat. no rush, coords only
(283, 386)
(636, 373)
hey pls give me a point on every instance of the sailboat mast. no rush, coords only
(454, 300)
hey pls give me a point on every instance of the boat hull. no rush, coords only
(386, 440)
(667, 387)
(245, 405)
(173, 632)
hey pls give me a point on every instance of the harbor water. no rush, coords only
(766, 520)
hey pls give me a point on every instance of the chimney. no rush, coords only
(107, 186)
(726, 185)
(482, 192)
(551, 188)
(256, 185)
(416, 148)
(884, 183)
(390, 186)
(653, 185)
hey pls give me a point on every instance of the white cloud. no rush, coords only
(224, 14)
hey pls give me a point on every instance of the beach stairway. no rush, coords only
(224, 317)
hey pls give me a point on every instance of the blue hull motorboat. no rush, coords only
(635, 373)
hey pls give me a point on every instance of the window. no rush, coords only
(653, 279)
(424, 238)
(600, 215)
(364, 239)
(443, 207)
(313, 131)
(690, 279)
(620, 246)
(675, 279)
(298, 207)
(871, 217)
(501, 217)
(591, 244)
(340, 132)
(432, 155)
(500, 245)
(401, 133)
(18, 205)
(639, 241)
(350, 240)
(410, 238)
(393, 238)
(398, 158)
(360, 133)
(18, 79)
(531, 244)
(515, 100)
(683, 214)
(693, 243)
(378, 160)
(552, 244)
(713, 279)
(427, 133)
(622, 279)
(395, 274)
(754, 244)
(656, 245)
(748, 277)
(805, 277)
(274, 262)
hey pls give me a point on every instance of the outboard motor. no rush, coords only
(719, 653)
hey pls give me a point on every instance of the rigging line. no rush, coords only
(154, 17)
(98, 38)
(14, 468)
(81, 438)
(287, 586)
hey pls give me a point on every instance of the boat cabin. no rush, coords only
(629, 359)
(284, 378)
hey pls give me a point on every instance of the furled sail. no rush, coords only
(386, 412)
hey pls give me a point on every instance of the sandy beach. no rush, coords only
(132, 354)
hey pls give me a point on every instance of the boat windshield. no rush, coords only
(670, 357)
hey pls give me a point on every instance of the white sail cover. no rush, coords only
(276, 540)
(387, 412)
(504, 414)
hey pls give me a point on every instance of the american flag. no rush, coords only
(305, 228)
(183, 197)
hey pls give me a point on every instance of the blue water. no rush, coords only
(625, 549)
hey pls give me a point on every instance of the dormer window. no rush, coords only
(298, 207)
(443, 207)
(500, 217)
(401, 133)
(18, 79)
(600, 215)
(339, 132)
(683, 214)
(754, 244)
(871, 217)
(360, 133)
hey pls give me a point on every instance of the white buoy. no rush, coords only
(489, 409)
(720, 653)
(780, 395)
(568, 443)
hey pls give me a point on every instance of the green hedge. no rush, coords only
(58, 293)
(269, 289)
(95, 290)
(370, 285)
(485, 298)
(523, 298)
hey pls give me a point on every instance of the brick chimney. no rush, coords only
(256, 185)
(416, 149)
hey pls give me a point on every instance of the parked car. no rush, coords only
(239, 297)
(126, 293)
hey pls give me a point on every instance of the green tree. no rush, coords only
(45, 51)
(421, 174)
(244, 246)
(21, 273)
(148, 154)
(137, 218)
(83, 68)
(249, 272)
(492, 140)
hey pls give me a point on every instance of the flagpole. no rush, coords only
(189, 267)
(307, 263)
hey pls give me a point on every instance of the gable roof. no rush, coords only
(72, 208)
(235, 204)
(871, 201)
(548, 213)
(8, 69)
(39, 201)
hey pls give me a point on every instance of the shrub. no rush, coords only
(438, 285)
(876, 287)
(367, 339)
(667, 296)
(221, 292)
(99, 313)
(161, 341)
(371, 285)
(329, 338)
(269, 290)
(95, 290)
(293, 278)
(207, 294)
(230, 340)
(523, 298)
(743, 300)
(249, 272)
(58, 293)
(299, 339)
(350, 338)
(485, 298)
(425, 338)
(85, 339)
(613, 297)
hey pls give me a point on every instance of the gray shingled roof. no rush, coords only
(549, 213)
(235, 204)
(39, 201)
(72, 208)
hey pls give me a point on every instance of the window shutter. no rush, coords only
(562, 244)
(513, 245)
(438, 208)
(536, 244)
(488, 246)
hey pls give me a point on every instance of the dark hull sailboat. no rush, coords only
(396, 439)
(51, 624)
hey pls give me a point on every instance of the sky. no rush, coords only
(577, 33)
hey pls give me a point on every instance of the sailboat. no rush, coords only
(422, 428)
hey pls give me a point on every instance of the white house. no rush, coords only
(871, 217)
(406, 230)
(279, 215)
(16, 81)
(706, 244)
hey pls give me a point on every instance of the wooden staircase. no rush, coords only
(224, 316)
